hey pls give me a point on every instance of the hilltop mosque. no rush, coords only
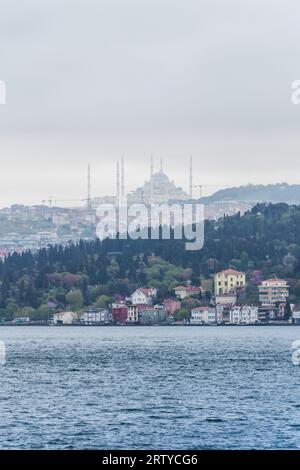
(158, 189)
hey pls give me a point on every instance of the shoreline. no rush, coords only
(156, 326)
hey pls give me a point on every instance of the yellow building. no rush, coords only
(229, 281)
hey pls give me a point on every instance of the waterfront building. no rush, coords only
(229, 281)
(160, 308)
(244, 314)
(133, 313)
(171, 306)
(66, 318)
(203, 316)
(97, 316)
(151, 315)
(273, 292)
(266, 313)
(119, 312)
(296, 318)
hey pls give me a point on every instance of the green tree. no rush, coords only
(190, 302)
(12, 310)
(103, 301)
(93, 293)
(251, 295)
(181, 314)
(28, 312)
(75, 299)
(43, 312)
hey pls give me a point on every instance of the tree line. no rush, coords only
(263, 242)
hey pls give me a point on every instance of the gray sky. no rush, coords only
(90, 80)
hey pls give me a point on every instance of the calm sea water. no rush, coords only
(149, 387)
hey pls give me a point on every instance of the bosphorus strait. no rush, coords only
(149, 387)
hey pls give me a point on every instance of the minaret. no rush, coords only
(151, 167)
(122, 177)
(88, 200)
(118, 184)
(151, 180)
(191, 177)
(161, 165)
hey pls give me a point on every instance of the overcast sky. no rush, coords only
(90, 80)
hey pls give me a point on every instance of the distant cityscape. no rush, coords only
(33, 227)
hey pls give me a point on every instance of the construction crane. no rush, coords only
(88, 199)
(50, 201)
(201, 186)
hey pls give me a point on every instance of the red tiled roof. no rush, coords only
(147, 291)
(275, 279)
(189, 288)
(230, 272)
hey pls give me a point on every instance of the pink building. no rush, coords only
(171, 306)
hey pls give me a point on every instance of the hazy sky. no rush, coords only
(90, 80)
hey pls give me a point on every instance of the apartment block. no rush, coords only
(273, 291)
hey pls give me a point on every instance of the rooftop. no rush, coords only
(231, 272)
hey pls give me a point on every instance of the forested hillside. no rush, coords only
(267, 240)
(274, 193)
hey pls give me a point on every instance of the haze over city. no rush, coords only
(94, 80)
(149, 231)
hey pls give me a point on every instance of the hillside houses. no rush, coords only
(143, 295)
(189, 306)
(182, 292)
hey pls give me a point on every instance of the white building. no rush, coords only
(296, 318)
(143, 296)
(273, 291)
(243, 315)
(133, 313)
(66, 318)
(96, 316)
(203, 316)
(21, 320)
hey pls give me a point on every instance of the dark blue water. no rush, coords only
(149, 387)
